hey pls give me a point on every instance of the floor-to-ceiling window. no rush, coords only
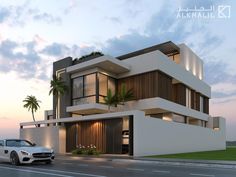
(105, 83)
(92, 88)
(84, 89)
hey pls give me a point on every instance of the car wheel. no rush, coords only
(48, 162)
(14, 159)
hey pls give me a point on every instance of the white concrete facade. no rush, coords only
(51, 137)
(156, 136)
(190, 61)
(151, 136)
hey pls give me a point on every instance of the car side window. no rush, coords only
(1, 143)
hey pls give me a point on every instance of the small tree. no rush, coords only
(58, 88)
(32, 104)
(110, 99)
(124, 94)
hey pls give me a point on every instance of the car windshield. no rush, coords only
(18, 143)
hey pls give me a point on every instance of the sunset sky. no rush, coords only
(35, 33)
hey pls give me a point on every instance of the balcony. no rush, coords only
(87, 109)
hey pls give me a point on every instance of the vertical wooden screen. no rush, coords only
(106, 135)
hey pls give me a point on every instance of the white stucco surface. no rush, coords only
(168, 106)
(154, 136)
(151, 136)
(51, 137)
(190, 61)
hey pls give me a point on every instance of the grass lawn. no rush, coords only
(228, 154)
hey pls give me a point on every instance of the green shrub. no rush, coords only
(85, 150)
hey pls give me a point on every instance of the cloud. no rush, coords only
(45, 17)
(127, 43)
(55, 49)
(216, 72)
(4, 118)
(23, 62)
(32, 60)
(22, 14)
(4, 14)
(72, 4)
(164, 26)
(114, 19)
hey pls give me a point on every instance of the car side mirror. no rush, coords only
(33, 144)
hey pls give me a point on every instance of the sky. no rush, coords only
(35, 33)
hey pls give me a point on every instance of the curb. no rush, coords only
(166, 161)
(178, 163)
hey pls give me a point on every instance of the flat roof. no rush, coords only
(104, 62)
(168, 48)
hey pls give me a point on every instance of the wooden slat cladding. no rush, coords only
(70, 137)
(206, 105)
(92, 132)
(149, 85)
(179, 94)
(164, 86)
(197, 101)
(106, 135)
(114, 136)
(193, 99)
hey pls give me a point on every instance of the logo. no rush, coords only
(213, 12)
(223, 11)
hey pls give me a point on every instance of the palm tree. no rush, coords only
(124, 94)
(32, 104)
(58, 88)
(110, 99)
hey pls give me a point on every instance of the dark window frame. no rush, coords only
(115, 82)
(83, 88)
(97, 93)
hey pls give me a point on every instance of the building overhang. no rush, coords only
(88, 109)
(167, 48)
(105, 62)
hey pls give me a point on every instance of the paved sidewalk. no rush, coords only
(187, 160)
(160, 161)
(182, 162)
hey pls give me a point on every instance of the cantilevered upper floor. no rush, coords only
(165, 78)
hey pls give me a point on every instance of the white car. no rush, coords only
(19, 151)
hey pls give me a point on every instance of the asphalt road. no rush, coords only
(99, 167)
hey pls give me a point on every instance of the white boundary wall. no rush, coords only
(51, 137)
(153, 136)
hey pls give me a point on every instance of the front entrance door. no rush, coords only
(114, 136)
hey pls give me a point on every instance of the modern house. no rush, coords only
(168, 114)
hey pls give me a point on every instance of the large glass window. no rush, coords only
(201, 104)
(84, 88)
(188, 97)
(77, 87)
(112, 85)
(89, 85)
(105, 83)
(102, 84)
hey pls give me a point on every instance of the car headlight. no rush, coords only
(52, 151)
(24, 152)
